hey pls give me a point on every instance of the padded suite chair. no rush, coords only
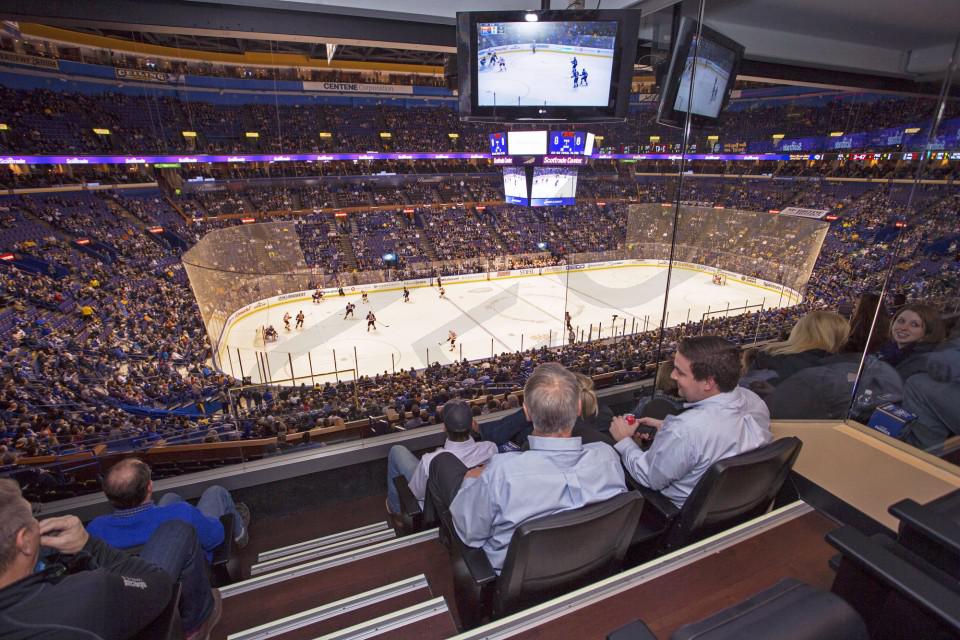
(412, 518)
(225, 565)
(932, 531)
(547, 556)
(789, 610)
(167, 625)
(899, 594)
(732, 491)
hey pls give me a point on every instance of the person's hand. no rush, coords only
(64, 534)
(474, 472)
(650, 422)
(620, 428)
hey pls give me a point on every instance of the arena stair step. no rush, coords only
(321, 564)
(365, 605)
(290, 591)
(424, 621)
(321, 541)
(322, 551)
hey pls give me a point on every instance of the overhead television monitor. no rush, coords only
(527, 143)
(553, 186)
(515, 186)
(498, 144)
(551, 66)
(708, 63)
(564, 143)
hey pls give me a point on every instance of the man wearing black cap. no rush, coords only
(457, 423)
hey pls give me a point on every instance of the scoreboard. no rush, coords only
(564, 143)
(498, 144)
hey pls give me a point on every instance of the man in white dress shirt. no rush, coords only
(721, 420)
(457, 423)
(558, 472)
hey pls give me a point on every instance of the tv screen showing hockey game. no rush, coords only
(515, 186)
(553, 186)
(703, 68)
(548, 66)
(714, 64)
(545, 63)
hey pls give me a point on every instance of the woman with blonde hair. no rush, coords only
(816, 335)
(593, 423)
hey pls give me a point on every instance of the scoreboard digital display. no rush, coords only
(567, 143)
(498, 144)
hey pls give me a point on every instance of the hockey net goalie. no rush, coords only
(719, 279)
(264, 335)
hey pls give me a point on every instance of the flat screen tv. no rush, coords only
(546, 66)
(553, 186)
(515, 186)
(708, 63)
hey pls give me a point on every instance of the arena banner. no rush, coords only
(330, 157)
(30, 61)
(143, 75)
(356, 87)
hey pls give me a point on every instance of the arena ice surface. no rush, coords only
(502, 311)
(532, 79)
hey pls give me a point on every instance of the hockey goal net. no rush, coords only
(719, 279)
(261, 337)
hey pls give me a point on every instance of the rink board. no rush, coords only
(492, 313)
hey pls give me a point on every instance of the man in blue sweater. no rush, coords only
(129, 488)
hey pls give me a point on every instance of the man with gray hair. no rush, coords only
(558, 472)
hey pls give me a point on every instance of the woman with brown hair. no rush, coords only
(916, 330)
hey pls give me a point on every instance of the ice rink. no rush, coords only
(544, 78)
(490, 317)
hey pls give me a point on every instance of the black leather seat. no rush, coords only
(412, 517)
(900, 595)
(789, 610)
(167, 625)
(225, 567)
(732, 491)
(932, 531)
(547, 557)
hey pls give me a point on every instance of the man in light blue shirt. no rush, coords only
(721, 420)
(558, 473)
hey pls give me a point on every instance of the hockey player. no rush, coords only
(573, 63)
(583, 77)
(364, 298)
(371, 321)
(567, 319)
(317, 296)
(533, 47)
(576, 77)
(340, 292)
(443, 293)
(406, 295)
(350, 308)
(452, 339)
(439, 282)
(286, 321)
(300, 319)
(503, 64)
(483, 62)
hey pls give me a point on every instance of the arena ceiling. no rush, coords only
(886, 38)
